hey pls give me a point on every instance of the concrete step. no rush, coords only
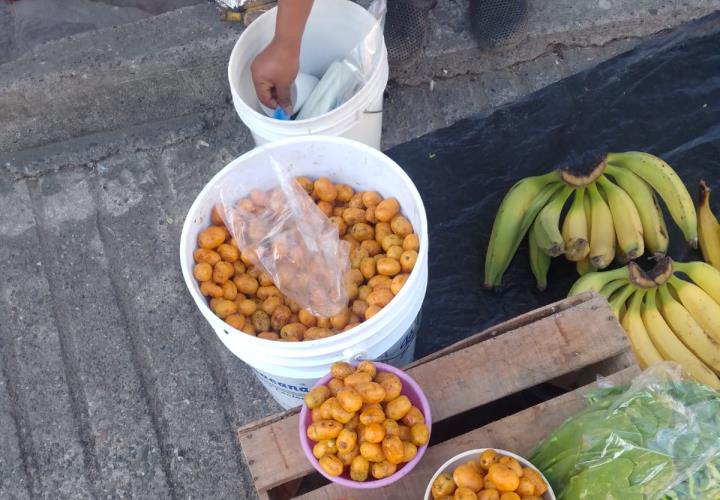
(111, 383)
(175, 64)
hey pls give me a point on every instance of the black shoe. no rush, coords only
(406, 24)
(496, 23)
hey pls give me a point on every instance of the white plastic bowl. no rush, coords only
(466, 456)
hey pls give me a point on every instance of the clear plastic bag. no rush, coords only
(344, 78)
(659, 438)
(282, 231)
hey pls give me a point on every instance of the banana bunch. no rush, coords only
(666, 317)
(609, 213)
(708, 228)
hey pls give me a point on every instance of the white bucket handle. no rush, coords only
(354, 354)
(360, 114)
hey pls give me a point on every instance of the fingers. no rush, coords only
(264, 91)
(282, 93)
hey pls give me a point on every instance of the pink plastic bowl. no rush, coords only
(416, 397)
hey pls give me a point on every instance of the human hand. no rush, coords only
(273, 72)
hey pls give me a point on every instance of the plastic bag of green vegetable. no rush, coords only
(658, 438)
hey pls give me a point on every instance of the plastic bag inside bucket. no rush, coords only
(344, 78)
(282, 231)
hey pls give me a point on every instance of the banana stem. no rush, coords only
(574, 179)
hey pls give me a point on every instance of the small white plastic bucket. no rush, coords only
(289, 369)
(333, 29)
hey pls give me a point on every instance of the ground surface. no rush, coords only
(111, 384)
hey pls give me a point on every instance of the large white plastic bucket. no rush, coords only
(289, 369)
(333, 29)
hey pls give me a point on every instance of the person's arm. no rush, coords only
(276, 67)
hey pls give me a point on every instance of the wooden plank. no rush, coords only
(285, 491)
(536, 423)
(589, 374)
(514, 323)
(557, 344)
(506, 326)
(521, 358)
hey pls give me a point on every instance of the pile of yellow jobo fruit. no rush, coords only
(490, 477)
(361, 420)
(383, 252)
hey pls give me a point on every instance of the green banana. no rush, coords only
(619, 298)
(547, 224)
(517, 211)
(703, 275)
(602, 231)
(575, 229)
(594, 281)
(613, 286)
(626, 220)
(651, 217)
(584, 266)
(539, 262)
(668, 185)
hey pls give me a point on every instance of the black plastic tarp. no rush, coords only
(662, 97)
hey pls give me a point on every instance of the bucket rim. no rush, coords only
(332, 116)
(263, 345)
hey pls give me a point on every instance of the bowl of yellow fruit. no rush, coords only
(488, 474)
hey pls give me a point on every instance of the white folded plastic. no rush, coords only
(339, 83)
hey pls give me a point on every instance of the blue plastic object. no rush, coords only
(280, 114)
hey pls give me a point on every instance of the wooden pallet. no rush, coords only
(567, 344)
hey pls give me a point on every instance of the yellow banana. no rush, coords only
(626, 219)
(708, 228)
(670, 347)
(703, 275)
(517, 211)
(575, 231)
(594, 281)
(688, 330)
(585, 266)
(645, 351)
(588, 213)
(701, 306)
(602, 231)
(668, 185)
(547, 224)
(651, 217)
(539, 261)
